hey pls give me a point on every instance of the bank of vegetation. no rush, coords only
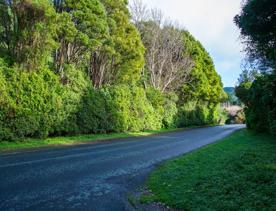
(257, 83)
(80, 67)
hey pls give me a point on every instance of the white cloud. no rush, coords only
(211, 22)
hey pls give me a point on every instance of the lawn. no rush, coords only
(72, 140)
(236, 173)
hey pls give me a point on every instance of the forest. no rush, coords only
(92, 66)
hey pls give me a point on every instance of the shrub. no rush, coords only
(198, 113)
(30, 103)
(261, 110)
(74, 87)
(118, 108)
(170, 110)
(94, 115)
(5, 101)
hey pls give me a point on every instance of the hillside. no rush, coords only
(230, 91)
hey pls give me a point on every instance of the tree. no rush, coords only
(257, 24)
(245, 81)
(121, 59)
(139, 12)
(205, 84)
(167, 62)
(77, 66)
(261, 106)
(257, 90)
(27, 29)
(83, 29)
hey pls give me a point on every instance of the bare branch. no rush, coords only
(166, 60)
(139, 11)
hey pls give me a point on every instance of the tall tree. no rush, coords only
(167, 62)
(27, 31)
(121, 59)
(257, 22)
(257, 91)
(204, 84)
(83, 29)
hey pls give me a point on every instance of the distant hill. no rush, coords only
(230, 91)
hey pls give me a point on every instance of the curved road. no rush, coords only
(92, 176)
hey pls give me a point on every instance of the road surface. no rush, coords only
(92, 176)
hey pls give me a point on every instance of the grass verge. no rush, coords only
(7, 146)
(236, 173)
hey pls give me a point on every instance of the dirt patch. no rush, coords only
(142, 199)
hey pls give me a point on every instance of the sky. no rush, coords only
(210, 22)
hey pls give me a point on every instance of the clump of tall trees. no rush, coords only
(84, 66)
(257, 83)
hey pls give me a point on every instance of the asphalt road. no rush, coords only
(92, 176)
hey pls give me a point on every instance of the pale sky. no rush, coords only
(211, 22)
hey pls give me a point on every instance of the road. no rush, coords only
(92, 176)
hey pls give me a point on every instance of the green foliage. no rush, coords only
(260, 101)
(257, 92)
(237, 173)
(89, 18)
(30, 103)
(199, 99)
(261, 110)
(205, 83)
(164, 106)
(242, 92)
(77, 83)
(74, 66)
(194, 114)
(117, 109)
(82, 30)
(5, 100)
(94, 113)
(27, 32)
(170, 110)
(257, 23)
(128, 56)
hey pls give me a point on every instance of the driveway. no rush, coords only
(92, 176)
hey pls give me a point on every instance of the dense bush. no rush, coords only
(75, 85)
(30, 103)
(70, 67)
(261, 109)
(259, 99)
(36, 104)
(195, 114)
(117, 109)
(164, 106)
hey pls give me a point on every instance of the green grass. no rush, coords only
(236, 173)
(71, 140)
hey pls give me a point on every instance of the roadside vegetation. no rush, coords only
(71, 67)
(257, 83)
(236, 173)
